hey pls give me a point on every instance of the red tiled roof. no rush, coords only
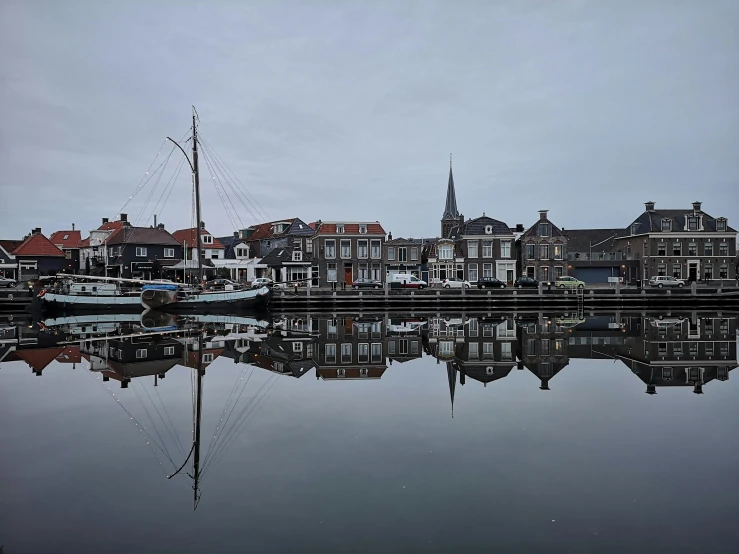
(10, 245)
(190, 238)
(73, 239)
(261, 231)
(85, 243)
(350, 228)
(38, 245)
(39, 358)
(192, 357)
(70, 355)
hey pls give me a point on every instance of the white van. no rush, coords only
(408, 281)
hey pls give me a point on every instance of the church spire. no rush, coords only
(450, 208)
(451, 373)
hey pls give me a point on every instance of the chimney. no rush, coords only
(236, 234)
(155, 221)
(36, 231)
(649, 206)
(390, 236)
(519, 227)
(696, 207)
(72, 226)
(160, 226)
(105, 220)
(543, 214)
(202, 224)
(124, 217)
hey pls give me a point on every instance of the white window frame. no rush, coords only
(340, 228)
(472, 275)
(169, 252)
(363, 244)
(376, 249)
(505, 249)
(169, 350)
(208, 358)
(141, 353)
(402, 254)
(342, 243)
(472, 250)
(446, 251)
(297, 256)
(141, 251)
(391, 253)
(329, 353)
(206, 239)
(331, 273)
(414, 253)
(362, 229)
(487, 249)
(329, 246)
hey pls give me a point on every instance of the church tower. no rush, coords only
(451, 216)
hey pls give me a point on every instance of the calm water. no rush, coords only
(373, 434)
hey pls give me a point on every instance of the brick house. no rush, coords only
(542, 250)
(487, 246)
(403, 256)
(344, 251)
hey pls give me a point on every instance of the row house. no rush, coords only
(210, 247)
(542, 250)
(593, 255)
(344, 251)
(265, 237)
(685, 243)
(69, 242)
(37, 256)
(93, 252)
(487, 247)
(141, 252)
(403, 256)
(237, 258)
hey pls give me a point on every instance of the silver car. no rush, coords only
(665, 281)
(7, 282)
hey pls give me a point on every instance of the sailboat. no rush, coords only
(172, 296)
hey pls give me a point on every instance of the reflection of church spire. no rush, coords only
(451, 373)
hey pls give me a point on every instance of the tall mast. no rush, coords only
(196, 183)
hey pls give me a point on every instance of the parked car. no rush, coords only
(7, 282)
(526, 282)
(260, 282)
(490, 283)
(666, 281)
(363, 283)
(455, 283)
(221, 284)
(569, 283)
(407, 280)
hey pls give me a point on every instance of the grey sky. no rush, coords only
(349, 110)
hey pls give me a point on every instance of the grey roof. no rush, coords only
(450, 208)
(477, 227)
(579, 240)
(300, 228)
(143, 235)
(651, 222)
(415, 242)
(230, 242)
(279, 255)
(533, 231)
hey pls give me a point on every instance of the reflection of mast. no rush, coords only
(198, 416)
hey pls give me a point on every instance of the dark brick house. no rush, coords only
(542, 250)
(344, 251)
(134, 252)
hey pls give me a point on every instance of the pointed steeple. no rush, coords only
(450, 208)
(451, 373)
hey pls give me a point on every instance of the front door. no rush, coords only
(509, 276)
(348, 275)
(693, 272)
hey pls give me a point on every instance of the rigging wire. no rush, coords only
(151, 420)
(220, 195)
(172, 432)
(167, 189)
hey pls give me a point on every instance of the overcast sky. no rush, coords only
(349, 110)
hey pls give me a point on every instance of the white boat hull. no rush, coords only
(165, 299)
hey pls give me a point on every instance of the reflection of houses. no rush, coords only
(405, 338)
(283, 352)
(350, 348)
(682, 351)
(544, 346)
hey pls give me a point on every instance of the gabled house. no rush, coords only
(403, 256)
(542, 250)
(237, 259)
(344, 251)
(289, 265)
(69, 242)
(265, 237)
(141, 252)
(211, 247)
(444, 259)
(487, 247)
(37, 256)
(8, 263)
(93, 254)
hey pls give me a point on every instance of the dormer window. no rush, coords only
(297, 256)
(692, 223)
(340, 228)
(446, 251)
(666, 225)
(721, 224)
(544, 229)
(206, 239)
(362, 229)
(634, 227)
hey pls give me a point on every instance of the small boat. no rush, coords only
(83, 292)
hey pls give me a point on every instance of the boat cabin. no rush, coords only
(97, 289)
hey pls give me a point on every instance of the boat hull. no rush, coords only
(168, 300)
(53, 302)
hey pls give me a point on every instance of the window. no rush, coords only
(341, 372)
(543, 229)
(692, 249)
(473, 351)
(723, 327)
(530, 251)
(308, 245)
(558, 252)
(362, 229)
(363, 271)
(169, 350)
(473, 327)
(487, 249)
(677, 249)
(346, 353)
(559, 347)
(332, 330)
(530, 347)
(666, 225)
(141, 353)
(723, 249)
(723, 271)
(330, 353)
(376, 249)
(723, 349)
(661, 249)
(676, 270)
(140, 251)
(472, 249)
(206, 239)
(543, 251)
(544, 273)
(330, 249)
(558, 271)
(403, 346)
(346, 249)
(402, 254)
(414, 253)
(472, 273)
(391, 253)
(677, 349)
(488, 350)
(331, 273)
(363, 354)
(297, 256)
(391, 347)
(362, 249)
(446, 252)
(667, 373)
(487, 270)
(340, 228)
(692, 223)
(692, 348)
(377, 272)
(721, 225)
(707, 272)
(709, 349)
(505, 249)
(376, 352)
(708, 249)
(661, 269)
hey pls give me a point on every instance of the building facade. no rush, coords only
(344, 251)
(141, 252)
(210, 247)
(542, 250)
(403, 256)
(488, 250)
(69, 242)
